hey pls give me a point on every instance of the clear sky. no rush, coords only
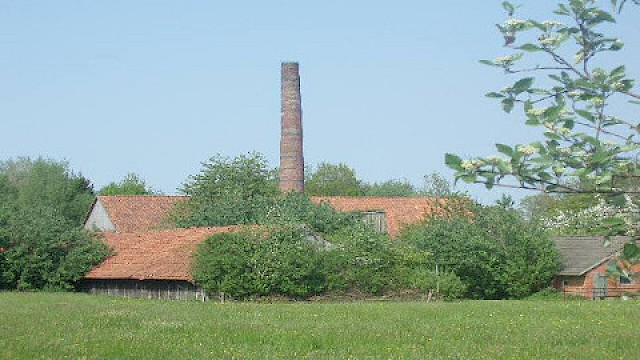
(156, 87)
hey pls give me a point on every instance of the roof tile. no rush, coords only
(130, 213)
(157, 255)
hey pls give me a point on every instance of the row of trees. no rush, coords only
(340, 180)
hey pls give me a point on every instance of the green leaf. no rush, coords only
(553, 136)
(617, 45)
(505, 149)
(613, 269)
(561, 10)
(507, 105)
(489, 62)
(618, 73)
(602, 15)
(530, 48)
(469, 179)
(630, 251)
(522, 85)
(494, 95)
(586, 114)
(508, 7)
(453, 161)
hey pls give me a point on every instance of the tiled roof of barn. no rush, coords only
(152, 254)
(399, 211)
(147, 212)
(580, 254)
(130, 213)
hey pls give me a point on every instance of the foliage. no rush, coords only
(445, 284)
(602, 219)
(42, 207)
(132, 184)
(364, 260)
(436, 185)
(252, 263)
(294, 208)
(333, 180)
(47, 183)
(586, 146)
(550, 294)
(497, 254)
(390, 188)
(227, 191)
(43, 249)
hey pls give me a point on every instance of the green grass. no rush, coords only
(78, 326)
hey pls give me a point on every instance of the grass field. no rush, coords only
(78, 326)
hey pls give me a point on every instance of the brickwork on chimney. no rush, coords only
(291, 148)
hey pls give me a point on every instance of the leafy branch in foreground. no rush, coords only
(587, 146)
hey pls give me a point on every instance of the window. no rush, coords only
(377, 219)
(625, 280)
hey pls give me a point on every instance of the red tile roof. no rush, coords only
(166, 254)
(156, 255)
(148, 212)
(399, 210)
(130, 213)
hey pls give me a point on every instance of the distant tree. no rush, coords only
(437, 185)
(333, 180)
(132, 184)
(48, 183)
(400, 188)
(227, 191)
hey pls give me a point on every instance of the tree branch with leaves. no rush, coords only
(586, 146)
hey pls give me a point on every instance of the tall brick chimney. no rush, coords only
(291, 156)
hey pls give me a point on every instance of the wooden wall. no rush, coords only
(145, 289)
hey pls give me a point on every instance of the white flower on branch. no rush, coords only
(527, 149)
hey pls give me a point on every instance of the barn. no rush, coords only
(584, 266)
(152, 264)
(152, 260)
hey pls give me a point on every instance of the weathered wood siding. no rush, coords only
(377, 219)
(145, 289)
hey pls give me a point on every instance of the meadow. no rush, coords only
(80, 326)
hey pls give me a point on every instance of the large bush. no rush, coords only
(363, 260)
(495, 252)
(42, 207)
(44, 250)
(259, 262)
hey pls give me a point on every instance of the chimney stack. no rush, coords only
(291, 156)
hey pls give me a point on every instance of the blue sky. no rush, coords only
(156, 87)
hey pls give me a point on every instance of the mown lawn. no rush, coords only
(78, 326)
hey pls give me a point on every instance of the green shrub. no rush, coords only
(269, 261)
(554, 295)
(497, 253)
(445, 284)
(362, 259)
(43, 250)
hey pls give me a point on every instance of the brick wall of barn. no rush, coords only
(585, 285)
